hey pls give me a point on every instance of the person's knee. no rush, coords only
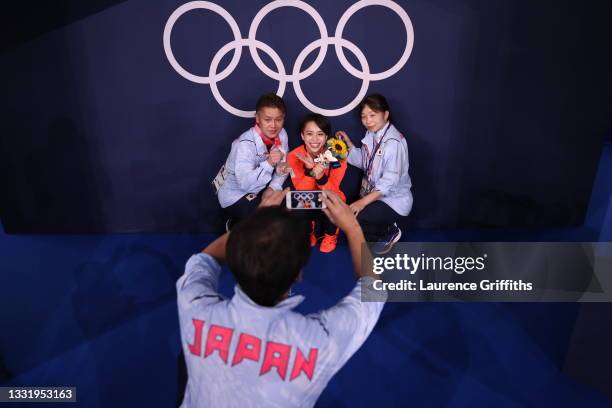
(363, 216)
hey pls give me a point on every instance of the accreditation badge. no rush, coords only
(366, 187)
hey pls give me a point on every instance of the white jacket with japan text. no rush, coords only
(241, 354)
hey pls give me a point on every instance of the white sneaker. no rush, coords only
(386, 243)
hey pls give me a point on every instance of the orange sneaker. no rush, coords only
(329, 243)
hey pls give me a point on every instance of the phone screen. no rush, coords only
(305, 200)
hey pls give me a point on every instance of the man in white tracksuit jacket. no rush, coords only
(253, 350)
(254, 162)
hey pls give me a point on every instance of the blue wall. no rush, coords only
(504, 105)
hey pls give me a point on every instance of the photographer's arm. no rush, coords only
(216, 249)
(341, 214)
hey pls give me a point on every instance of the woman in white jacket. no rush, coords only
(385, 194)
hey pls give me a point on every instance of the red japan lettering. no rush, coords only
(303, 365)
(249, 347)
(277, 355)
(219, 339)
(196, 347)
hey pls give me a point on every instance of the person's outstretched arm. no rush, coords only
(354, 156)
(342, 215)
(216, 249)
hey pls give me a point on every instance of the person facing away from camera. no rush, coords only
(312, 172)
(385, 196)
(253, 163)
(253, 349)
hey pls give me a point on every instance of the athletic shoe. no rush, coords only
(386, 243)
(329, 243)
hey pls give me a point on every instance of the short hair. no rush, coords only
(321, 121)
(270, 100)
(376, 102)
(267, 251)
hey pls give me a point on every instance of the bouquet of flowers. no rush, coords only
(336, 152)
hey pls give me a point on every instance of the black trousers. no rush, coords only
(376, 220)
(322, 224)
(243, 208)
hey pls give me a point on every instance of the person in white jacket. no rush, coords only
(253, 350)
(385, 196)
(253, 162)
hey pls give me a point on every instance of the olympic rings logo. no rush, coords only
(304, 196)
(297, 74)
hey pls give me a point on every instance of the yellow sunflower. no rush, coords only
(337, 147)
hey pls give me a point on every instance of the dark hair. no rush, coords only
(376, 102)
(321, 121)
(270, 100)
(267, 251)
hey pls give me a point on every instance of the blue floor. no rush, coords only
(98, 312)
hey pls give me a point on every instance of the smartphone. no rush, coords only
(304, 200)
